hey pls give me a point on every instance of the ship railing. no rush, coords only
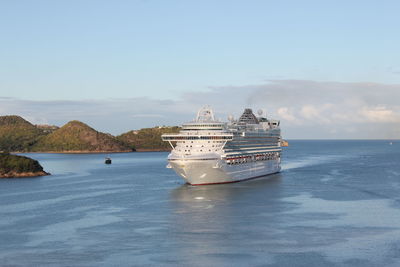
(179, 137)
(240, 151)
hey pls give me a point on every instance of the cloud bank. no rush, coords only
(307, 109)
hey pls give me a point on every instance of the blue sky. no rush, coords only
(79, 52)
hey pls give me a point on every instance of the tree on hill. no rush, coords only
(148, 138)
(77, 136)
(17, 134)
(13, 120)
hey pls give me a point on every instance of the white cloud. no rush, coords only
(36, 120)
(286, 114)
(111, 115)
(328, 108)
(147, 116)
(380, 114)
(307, 109)
(309, 112)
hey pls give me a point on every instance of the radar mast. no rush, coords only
(205, 114)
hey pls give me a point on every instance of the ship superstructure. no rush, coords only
(207, 151)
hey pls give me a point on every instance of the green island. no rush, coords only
(19, 135)
(148, 139)
(77, 137)
(12, 166)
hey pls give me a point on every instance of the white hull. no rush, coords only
(203, 172)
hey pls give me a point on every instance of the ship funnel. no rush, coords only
(248, 117)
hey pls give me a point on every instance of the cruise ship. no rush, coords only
(207, 151)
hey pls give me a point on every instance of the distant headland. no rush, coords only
(19, 135)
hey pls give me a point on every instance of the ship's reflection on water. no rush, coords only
(191, 196)
(220, 220)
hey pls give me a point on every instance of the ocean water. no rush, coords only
(335, 203)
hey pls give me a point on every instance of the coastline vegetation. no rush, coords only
(148, 139)
(76, 136)
(19, 166)
(19, 135)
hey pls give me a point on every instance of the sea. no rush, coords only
(335, 203)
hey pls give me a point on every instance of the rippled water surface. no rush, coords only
(336, 203)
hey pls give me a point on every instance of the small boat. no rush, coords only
(107, 161)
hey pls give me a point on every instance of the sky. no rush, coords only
(326, 69)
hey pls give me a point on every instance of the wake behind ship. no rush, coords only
(207, 151)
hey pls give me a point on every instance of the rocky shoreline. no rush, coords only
(96, 152)
(73, 152)
(14, 174)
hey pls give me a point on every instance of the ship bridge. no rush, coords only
(191, 137)
(203, 134)
(203, 126)
(199, 142)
